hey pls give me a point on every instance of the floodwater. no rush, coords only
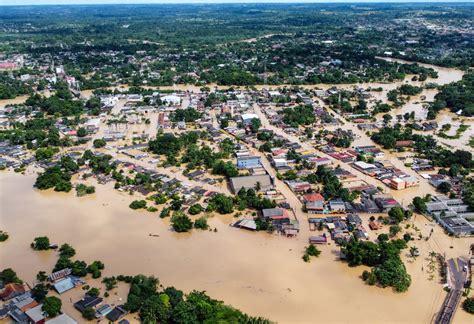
(258, 273)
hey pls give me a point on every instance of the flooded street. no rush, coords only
(259, 273)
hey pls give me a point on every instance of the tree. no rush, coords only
(39, 292)
(54, 177)
(420, 204)
(181, 222)
(195, 209)
(414, 252)
(201, 223)
(468, 305)
(9, 276)
(394, 230)
(45, 153)
(41, 276)
(66, 251)
(444, 187)
(387, 118)
(52, 306)
(98, 143)
(255, 124)
(40, 243)
(383, 238)
(88, 313)
(93, 292)
(397, 214)
(222, 203)
(82, 190)
(81, 132)
(95, 269)
(137, 204)
(312, 250)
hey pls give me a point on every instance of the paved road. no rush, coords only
(456, 279)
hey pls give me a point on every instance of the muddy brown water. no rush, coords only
(258, 273)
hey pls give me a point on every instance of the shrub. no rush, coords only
(40, 243)
(138, 204)
(181, 222)
(201, 223)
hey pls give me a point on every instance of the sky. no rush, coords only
(65, 2)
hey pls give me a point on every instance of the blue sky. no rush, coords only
(65, 2)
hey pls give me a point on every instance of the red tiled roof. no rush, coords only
(313, 197)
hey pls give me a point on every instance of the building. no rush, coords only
(337, 206)
(247, 118)
(36, 315)
(64, 285)
(251, 182)
(397, 183)
(318, 239)
(249, 162)
(59, 275)
(452, 214)
(173, 100)
(62, 319)
(11, 290)
(92, 125)
(314, 203)
(275, 213)
(87, 301)
(116, 314)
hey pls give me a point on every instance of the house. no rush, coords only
(92, 125)
(411, 181)
(116, 314)
(404, 143)
(397, 183)
(321, 161)
(62, 319)
(59, 275)
(353, 219)
(314, 203)
(298, 186)
(196, 174)
(171, 100)
(247, 118)
(36, 315)
(87, 301)
(361, 233)
(64, 285)
(374, 226)
(318, 239)
(311, 197)
(246, 223)
(249, 162)
(251, 182)
(103, 311)
(12, 290)
(337, 206)
(275, 213)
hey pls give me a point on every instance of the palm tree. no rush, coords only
(414, 252)
(258, 186)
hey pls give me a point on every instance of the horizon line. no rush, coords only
(208, 2)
